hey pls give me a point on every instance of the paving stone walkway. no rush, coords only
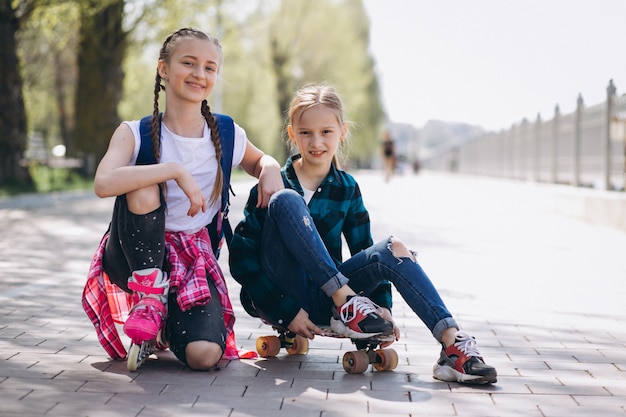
(543, 293)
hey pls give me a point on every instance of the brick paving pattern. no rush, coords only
(542, 292)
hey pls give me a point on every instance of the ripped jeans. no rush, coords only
(295, 258)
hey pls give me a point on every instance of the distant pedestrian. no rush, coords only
(389, 156)
(416, 166)
(288, 256)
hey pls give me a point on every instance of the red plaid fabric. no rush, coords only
(119, 300)
(96, 305)
(191, 260)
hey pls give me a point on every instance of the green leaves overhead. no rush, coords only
(271, 47)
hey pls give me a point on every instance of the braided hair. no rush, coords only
(164, 55)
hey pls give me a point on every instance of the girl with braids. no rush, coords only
(157, 251)
(288, 256)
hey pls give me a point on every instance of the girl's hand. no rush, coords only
(266, 169)
(197, 201)
(302, 325)
(270, 181)
(386, 314)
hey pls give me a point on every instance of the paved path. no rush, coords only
(543, 294)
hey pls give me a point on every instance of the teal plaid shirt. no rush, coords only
(336, 208)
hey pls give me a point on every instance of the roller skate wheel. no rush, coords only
(268, 346)
(355, 362)
(388, 360)
(132, 359)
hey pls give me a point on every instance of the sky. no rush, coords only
(495, 62)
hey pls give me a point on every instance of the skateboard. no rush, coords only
(354, 362)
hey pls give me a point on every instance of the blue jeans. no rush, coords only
(295, 258)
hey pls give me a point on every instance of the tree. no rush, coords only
(12, 110)
(270, 47)
(47, 45)
(327, 41)
(359, 83)
(102, 47)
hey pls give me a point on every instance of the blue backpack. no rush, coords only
(219, 228)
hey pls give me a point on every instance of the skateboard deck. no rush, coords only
(354, 362)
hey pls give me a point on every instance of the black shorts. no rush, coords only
(198, 323)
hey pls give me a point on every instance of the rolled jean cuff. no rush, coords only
(333, 284)
(442, 325)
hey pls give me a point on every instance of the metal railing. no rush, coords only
(586, 148)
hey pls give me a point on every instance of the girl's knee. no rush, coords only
(203, 355)
(144, 200)
(399, 249)
(285, 197)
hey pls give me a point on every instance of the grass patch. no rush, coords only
(47, 179)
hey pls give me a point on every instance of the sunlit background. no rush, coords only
(453, 82)
(492, 62)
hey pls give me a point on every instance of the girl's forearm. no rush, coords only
(130, 178)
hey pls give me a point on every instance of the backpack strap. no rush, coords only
(226, 127)
(220, 226)
(146, 149)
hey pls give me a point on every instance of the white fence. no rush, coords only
(586, 148)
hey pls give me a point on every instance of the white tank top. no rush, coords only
(198, 155)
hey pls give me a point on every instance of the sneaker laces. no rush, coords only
(362, 304)
(466, 344)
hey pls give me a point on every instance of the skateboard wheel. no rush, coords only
(388, 360)
(132, 358)
(300, 346)
(355, 362)
(267, 346)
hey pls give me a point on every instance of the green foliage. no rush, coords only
(46, 179)
(139, 73)
(298, 41)
(247, 86)
(102, 48)
(58, 179)
(48, 55)
(271, 47)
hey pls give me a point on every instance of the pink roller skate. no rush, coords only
(147, 315)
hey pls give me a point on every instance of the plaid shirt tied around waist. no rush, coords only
(191, 262)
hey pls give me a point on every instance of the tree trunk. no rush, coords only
(284, 84)
(60, 97)
(284, 44)
(12, 110)
(100, 81)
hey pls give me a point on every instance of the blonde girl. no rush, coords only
(288, 256)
